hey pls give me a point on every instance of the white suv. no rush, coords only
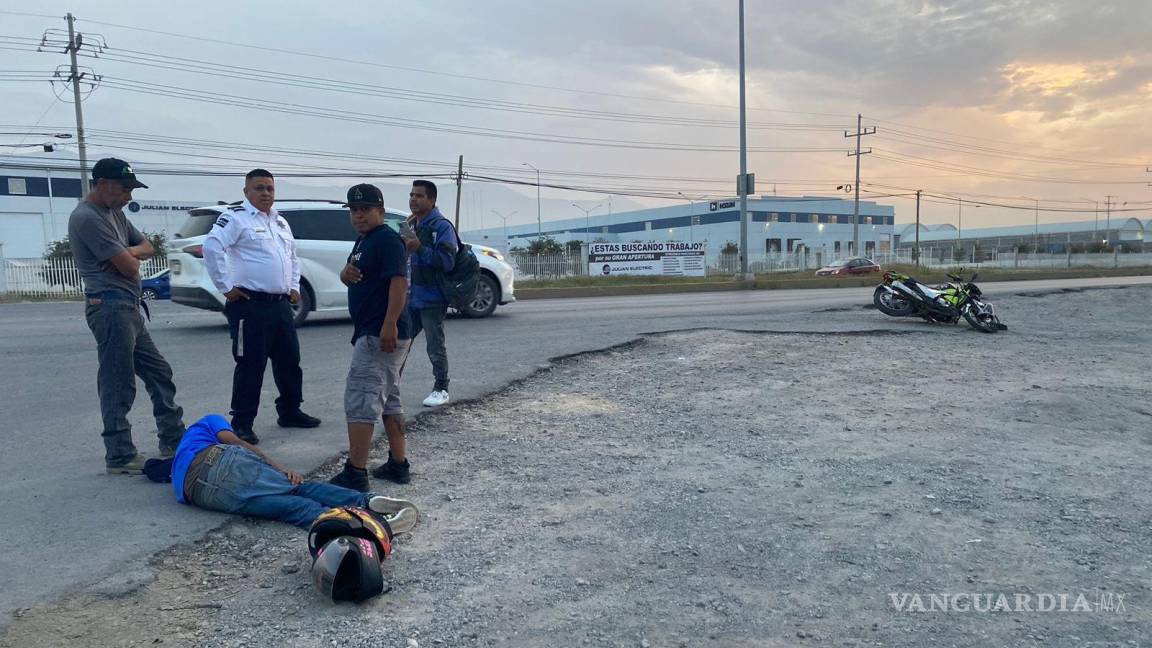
(324, 237)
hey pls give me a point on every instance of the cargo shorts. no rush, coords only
(373, 387)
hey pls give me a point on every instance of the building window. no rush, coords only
(802, 218)
(648, 226)
(773, 217)
(867, 220)
(17, 187)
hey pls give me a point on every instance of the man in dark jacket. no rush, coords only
(432, 245)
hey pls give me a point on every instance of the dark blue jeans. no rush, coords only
(242, 483)
(125, 351)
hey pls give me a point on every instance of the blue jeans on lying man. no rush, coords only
(242, 483)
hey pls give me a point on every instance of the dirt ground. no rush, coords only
(720, 488)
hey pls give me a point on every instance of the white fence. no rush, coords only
(45, 279)
(553, 266)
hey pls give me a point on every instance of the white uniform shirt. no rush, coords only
(250, 249)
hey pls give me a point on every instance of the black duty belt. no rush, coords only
(256, 295)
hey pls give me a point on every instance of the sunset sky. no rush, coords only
(1001, 103)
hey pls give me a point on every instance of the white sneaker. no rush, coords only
(436, 398)
(403, 521)
(389, 505)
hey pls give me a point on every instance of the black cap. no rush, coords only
(365, 194)
(119, 170)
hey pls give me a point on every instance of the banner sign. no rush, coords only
(667, 259)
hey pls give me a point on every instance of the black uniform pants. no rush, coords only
(261, 331)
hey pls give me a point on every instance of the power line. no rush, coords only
(249, 74)
(203, 39)
(257, 104)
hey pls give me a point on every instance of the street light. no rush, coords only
(505, 219)
(691, 216)
(587, 226)
(538, 227)
(1095, 216)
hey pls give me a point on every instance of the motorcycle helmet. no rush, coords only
(348, 569)
(350, 521)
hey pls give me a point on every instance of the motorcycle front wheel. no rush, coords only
(892, 304)
(981, 317)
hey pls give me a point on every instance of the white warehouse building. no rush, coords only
(777, 225)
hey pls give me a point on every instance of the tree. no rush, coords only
(730, 248)
(59, 269)
(159, 240)
(545, 245)
(573, 247)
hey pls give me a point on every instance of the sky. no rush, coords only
(989, 108)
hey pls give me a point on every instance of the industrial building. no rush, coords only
(35, 205)
(1053, 238)
(778, 225)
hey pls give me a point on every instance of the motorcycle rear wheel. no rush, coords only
(891, 304)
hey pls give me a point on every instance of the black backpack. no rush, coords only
(459, 285)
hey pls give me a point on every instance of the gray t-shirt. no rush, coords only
(98, 234)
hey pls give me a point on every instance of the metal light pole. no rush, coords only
(505, 219)
(691, 217)
(743, 161)
(587, 225)
(538, 227)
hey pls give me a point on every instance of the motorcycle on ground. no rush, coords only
(903, 296)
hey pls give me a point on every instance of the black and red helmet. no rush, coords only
(348, 569)
(350, 521)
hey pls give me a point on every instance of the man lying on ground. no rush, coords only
(216, 470)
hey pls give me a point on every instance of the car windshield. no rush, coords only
(839, 264)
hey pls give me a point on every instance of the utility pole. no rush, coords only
(860, 132)
(1108, 217)
(959, 218)
(1036, 235)
(74, 42)
(743, 162)
(916, 251)
(539, 229)
(459, 189)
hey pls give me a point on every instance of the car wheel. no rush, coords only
(149, 293)
(485, 299)
(301, 308)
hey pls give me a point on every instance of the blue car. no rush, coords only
(156, 286)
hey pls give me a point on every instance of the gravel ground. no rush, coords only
(722, 488)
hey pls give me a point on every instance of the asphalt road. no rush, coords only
(68, 525)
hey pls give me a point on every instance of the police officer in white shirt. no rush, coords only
(251, 257)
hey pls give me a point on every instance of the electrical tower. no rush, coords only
(860, 132)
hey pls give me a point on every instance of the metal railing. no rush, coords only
(48, 278)
(548, 266)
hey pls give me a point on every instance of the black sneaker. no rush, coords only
(297, 419)
(244, 431)
(393, 471)
(351, 477)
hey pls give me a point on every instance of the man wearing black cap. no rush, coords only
(377, 278)
(108, 250)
